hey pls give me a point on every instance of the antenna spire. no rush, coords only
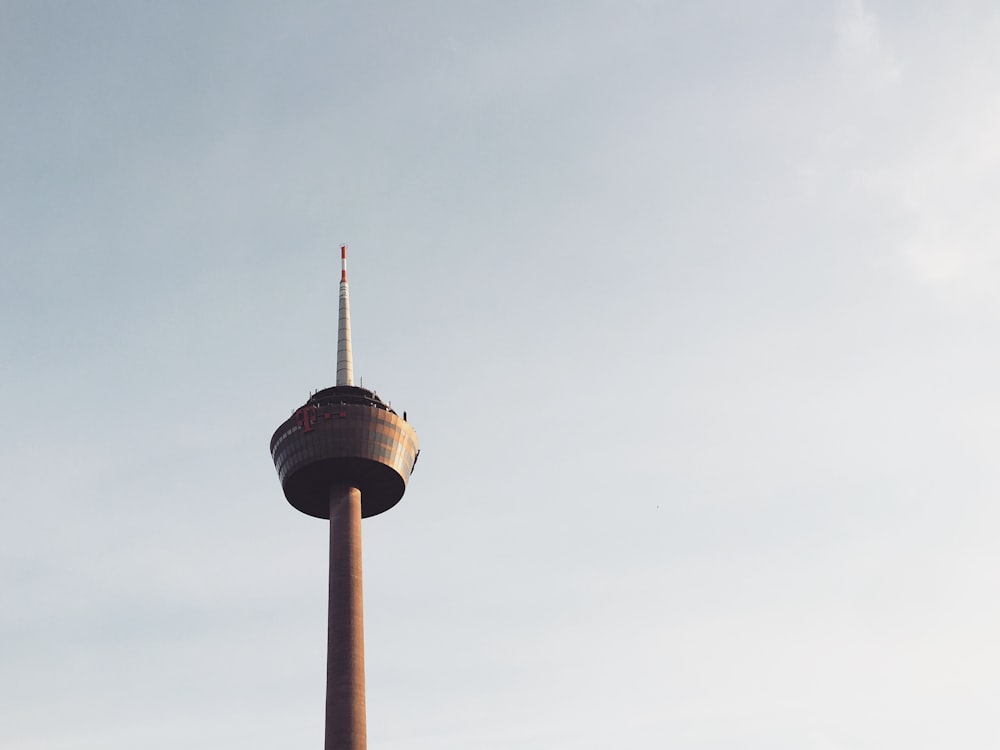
(345, 363)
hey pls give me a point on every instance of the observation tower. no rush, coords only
(344, 455)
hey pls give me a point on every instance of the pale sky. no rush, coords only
(692, 305)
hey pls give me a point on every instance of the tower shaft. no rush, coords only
(345, 666)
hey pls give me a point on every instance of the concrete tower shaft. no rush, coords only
(346, 727)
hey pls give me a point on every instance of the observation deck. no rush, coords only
(344, 435)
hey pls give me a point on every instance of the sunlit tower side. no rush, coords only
(344, 455)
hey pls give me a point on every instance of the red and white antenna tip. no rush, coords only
(345, 359)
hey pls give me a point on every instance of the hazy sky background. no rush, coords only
(692, 305)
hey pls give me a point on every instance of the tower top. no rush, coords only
(344, 435)
(345, 360)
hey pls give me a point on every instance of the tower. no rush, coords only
(344, 455)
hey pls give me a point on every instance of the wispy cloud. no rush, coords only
(949, 192)
(860, 48)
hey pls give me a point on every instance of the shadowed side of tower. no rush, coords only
(344, 455)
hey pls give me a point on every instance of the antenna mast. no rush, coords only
(345, 362)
